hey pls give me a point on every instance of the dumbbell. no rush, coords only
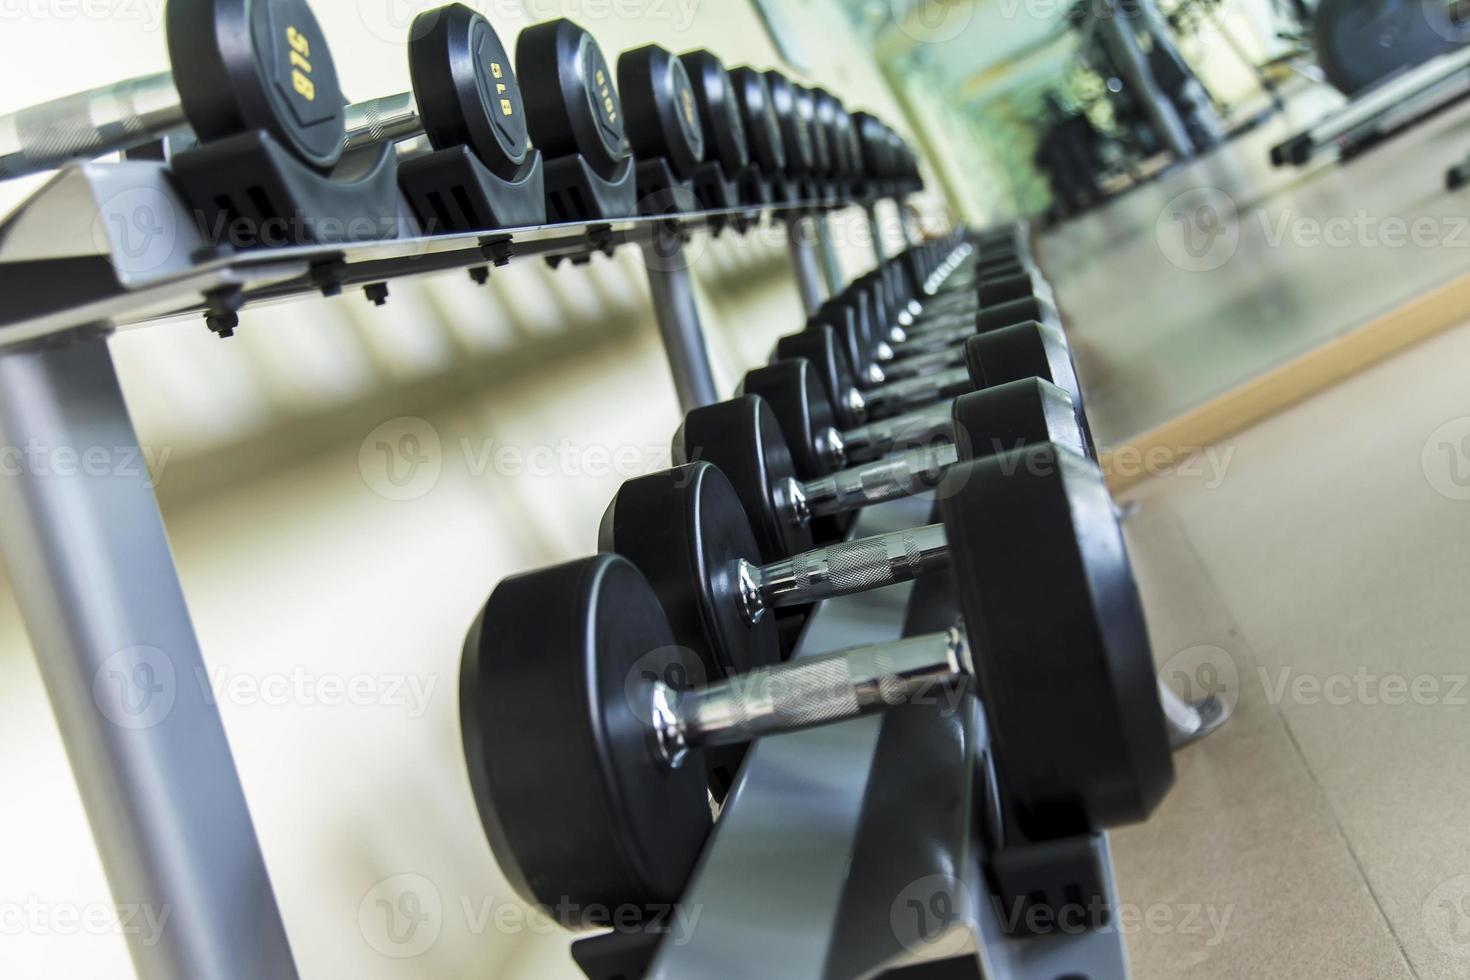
(853, 405)
(743, 438)
(796, 134)
(762, 130)
(572, 105)
(661, 115)
(719, 109)
(924, 348)
(824, 437)
(571, 670)
(464, 93)
(237, 66)
(804, 103)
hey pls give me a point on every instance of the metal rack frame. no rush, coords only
(105, 246)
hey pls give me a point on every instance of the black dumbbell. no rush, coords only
(743, 438)
(237, 66)
(572, 103)
(823, 438)
(464, 93)
(661, 114)
(855, 402)
(719, 108)
(575, 670)
(804, 100)
(796, 134)
(762, 130)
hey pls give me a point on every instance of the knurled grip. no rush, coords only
(853, 566)
(806, 694)
(901, 396)
(875, 483)
(88, 124)
(878, 439)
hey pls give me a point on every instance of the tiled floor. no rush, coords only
(1322, 582)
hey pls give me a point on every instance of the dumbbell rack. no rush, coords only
(106, 246)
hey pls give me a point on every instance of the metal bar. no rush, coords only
(90, 562)
(804, 263)
(880, 249)
(831, 266)
(88, 124)
(677, 311)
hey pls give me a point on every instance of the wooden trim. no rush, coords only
(1268, 394)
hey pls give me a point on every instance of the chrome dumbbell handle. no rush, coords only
(88, 124)
(924, 364)
(805, 693)
(878, 439)
(874, 483)
(904, 396)
(390, 119)
(841, 569)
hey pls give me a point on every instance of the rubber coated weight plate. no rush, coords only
(662, 119)
(1062, 657)
(571, 103)
(465, 88)
(1028, 412)
(761, 128)
(795, 133)
(806, 108)
(1027, 350)
(724, 130)
(1016, 311)
(686, 532)
(819, 345)
(242, 65)
(795, 394)
(872, 142)
(743, 438)
(552, 713)
(827, 109)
